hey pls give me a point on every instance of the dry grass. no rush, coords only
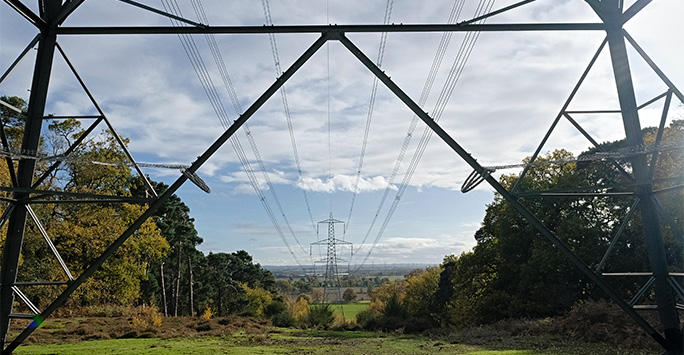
(73, 330)
(597, 326)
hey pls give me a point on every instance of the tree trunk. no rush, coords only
(178, 276)
(166, 309)
(192, 301)
(220, 305)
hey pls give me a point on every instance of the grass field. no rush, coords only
(350, 310)
(311, 342)
(244, 335)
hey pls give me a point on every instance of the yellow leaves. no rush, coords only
(420, 290)
(207, 314)
(85, 232)
(381, 295)
(300, 309)
(258, 299)
(147, 317)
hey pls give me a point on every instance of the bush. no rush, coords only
(283, 319)
(319, 316)
(340, 324)
(146, 317)
(276, 307)
(207, 314)
(602, 321)
(367, 319)
(279, 314)
(304, 296)
(349, 295)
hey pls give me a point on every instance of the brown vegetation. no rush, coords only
(72, 330)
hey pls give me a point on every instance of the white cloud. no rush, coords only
(344, 183)
(412, 249)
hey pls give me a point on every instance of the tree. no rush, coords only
(420, 292)
(349, 295)
(178, 229)
(515, 272)
(382, 295)
(13, 121)
(317, 295)
(301, 308)
(81, 232)
(259, 299)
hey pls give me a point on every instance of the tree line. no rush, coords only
(158, 266)
(514, 272)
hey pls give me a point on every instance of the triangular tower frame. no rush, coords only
(611, 12)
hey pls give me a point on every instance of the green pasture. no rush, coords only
(290, 341)
(349, 310)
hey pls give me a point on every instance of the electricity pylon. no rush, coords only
(332, 275)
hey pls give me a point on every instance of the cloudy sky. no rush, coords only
(510, 90)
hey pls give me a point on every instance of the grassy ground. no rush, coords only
(239, 335)
(312, 342)
(350, 310)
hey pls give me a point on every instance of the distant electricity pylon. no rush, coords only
(332, 275)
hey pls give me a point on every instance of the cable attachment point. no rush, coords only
(474, 179)
(195, 179)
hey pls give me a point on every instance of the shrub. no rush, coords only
(367, 319)
(602, 321)
(319, 316)
(274, 308)
(300, 309)
(139, 321)
(156, 319)
(283, 319)
(145, 317)
(304, 296)
(207, 314)
(349, 295)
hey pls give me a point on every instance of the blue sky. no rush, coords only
(512, 88)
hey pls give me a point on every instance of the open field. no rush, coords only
(311, 342)
(350, 310)
(237, 335)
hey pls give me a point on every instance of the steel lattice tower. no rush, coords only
(331, 276)
(613, 15)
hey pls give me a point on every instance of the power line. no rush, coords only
(195, 57)
(371, 106)
(276, 60)
(230, 88)
(457, 67)
(436, 63)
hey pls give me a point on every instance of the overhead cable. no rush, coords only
(436, 63)
(204, 77)
(457, 67)
(276, 60)
(371, 106)
(230, 88)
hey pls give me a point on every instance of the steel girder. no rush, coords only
(26, 169)
(53, 14)
(612, 14)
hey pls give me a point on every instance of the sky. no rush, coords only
(510, 90)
